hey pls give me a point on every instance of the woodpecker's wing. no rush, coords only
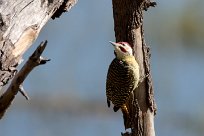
(120, 82)
(109, 84)
(109, 90)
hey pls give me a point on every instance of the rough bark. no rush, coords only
(16, 84)
(128, 26)
(20, 23)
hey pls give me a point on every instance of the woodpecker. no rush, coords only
(122, 78)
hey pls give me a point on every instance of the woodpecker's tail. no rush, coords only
(126, 116)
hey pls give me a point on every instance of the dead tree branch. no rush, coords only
(20, 24)
(16, 84)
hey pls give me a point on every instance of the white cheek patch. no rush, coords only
(129, 49)
(120, 53)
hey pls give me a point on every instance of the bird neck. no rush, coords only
(127, 58)
(130, 60)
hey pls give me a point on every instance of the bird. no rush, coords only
(122, 77)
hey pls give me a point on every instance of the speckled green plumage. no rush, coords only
(122, 79)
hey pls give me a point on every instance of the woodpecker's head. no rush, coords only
(122, 49)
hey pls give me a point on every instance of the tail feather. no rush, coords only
(115, 108)
(108, 103)
(126, 116)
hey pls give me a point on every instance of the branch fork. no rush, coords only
(16, 85)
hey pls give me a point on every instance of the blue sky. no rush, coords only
(80, 55)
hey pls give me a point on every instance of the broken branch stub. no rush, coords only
(34, 60)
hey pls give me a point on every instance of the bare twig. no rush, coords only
(34, 60)
(23, 92)
(65, 6)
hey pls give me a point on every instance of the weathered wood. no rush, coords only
(16, 84)
(128, 20)
(20, 23)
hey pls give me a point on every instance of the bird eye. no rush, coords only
(123, 44)
(123, 49)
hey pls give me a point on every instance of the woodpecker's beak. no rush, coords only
(113, 43)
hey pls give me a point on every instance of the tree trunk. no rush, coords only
(128, 26)
(20, 23)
